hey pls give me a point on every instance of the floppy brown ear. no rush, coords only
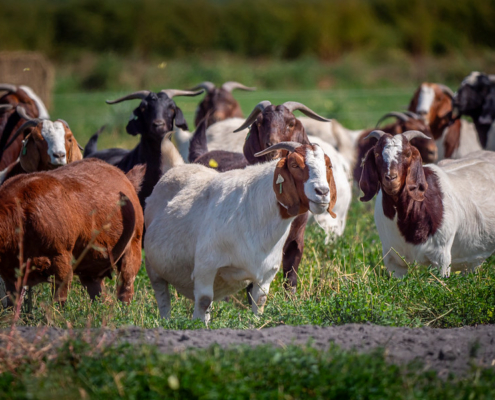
(415, 180)
(286, 191)
(369, 182)
(333, 190)
(30, 156)
(252, 145)
(299, 134)
(75, 152)
(445, 107)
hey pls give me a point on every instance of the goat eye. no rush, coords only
(294, 165)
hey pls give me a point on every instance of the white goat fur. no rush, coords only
(209, 234)
(342, 175)
(466, 236)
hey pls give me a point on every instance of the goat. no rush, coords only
(454, 139)
(46, 145)
(219, 102)
(469, 101)
(427, 148)
(9, 119)
(236, 223)
(270, 124)
(154, 117)
(438, 215)
(88, 211)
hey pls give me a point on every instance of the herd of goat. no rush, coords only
(225, 206)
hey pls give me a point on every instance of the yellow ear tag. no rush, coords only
(212, 163)
(280, 180)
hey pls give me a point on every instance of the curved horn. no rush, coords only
(411, 114)
(259, 108)
(208, 86)
(22, 113)
(64, 122)
(175, 92)
(289, 146)
(448, 91)
(133, 96)
(5, 107)
(410, 135)
(27, 124)
(399, 115)
(231, 85)
(377, 134)
(8, 87)
(294, 105)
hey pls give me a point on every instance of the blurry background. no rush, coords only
(352, 60)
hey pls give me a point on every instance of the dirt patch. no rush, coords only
(444, 350)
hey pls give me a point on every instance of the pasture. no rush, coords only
(339, 283)
(343, 282)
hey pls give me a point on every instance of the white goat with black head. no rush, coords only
(435, 215)
(209, 234)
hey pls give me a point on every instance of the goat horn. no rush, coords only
(448, 91)
(294, 105)
(5, 107)
(142, 94)
(27, 124)
(8, 87)
(289, 146)
(259, 108)
(377, 134)
(208, 86)
(175, 92)
(22, 113)
(399, 115)
(409, 135)
(64, 122)
(231, 85)
(411, 114)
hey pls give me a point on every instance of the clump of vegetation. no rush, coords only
(85, 370)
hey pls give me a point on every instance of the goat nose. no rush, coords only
(322, 191)
(159, 122)
(390, 177)
(59, 154)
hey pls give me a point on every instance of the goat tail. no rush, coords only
(91, 146)
(136, 176)
(170, 155)
(128, 225)
(198, 145)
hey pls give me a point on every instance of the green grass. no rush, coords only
(83, 370)
(343, 282)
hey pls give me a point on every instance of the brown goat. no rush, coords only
(427, 148)
(88, 211)
(10, 121)
(219, 102)
(46, 145)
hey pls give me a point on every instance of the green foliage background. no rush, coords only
(255, 28)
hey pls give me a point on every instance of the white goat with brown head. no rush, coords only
(210, 234)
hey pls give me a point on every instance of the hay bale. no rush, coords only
(28, 68)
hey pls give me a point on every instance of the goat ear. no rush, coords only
(252, 145)
(333, 189)
(369, 182)
(135, 126)
(415, 180)
(74, 153)
(180, 121)
(285, 189)
(30, 156)
(445, 108)
(299, 134)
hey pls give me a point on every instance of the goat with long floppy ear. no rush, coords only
(416, 184)
(285, 187)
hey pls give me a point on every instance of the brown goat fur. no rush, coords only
(221, 105)
(427, 148)
(34, 155)
(89, 210)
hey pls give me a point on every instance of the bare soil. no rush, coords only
(444, 350)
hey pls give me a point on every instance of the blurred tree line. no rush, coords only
(285, 29)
